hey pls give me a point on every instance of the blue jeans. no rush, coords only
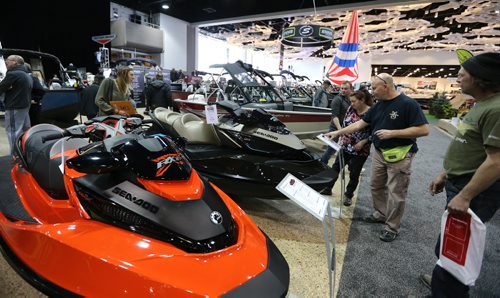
(484, 206)
(16, 122)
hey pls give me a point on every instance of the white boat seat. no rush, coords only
(166, 115)
(195, 130)
(196, 98)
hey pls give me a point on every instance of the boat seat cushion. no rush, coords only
(166, 115)
(195, 130)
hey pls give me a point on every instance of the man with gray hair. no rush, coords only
(17, 86)
(396, 121)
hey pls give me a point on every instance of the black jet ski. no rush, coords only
(248, 153)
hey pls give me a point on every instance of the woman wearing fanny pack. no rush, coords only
(396, 121)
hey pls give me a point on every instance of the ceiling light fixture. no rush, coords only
(165, 6)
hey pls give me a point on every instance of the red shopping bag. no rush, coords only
(462, 246)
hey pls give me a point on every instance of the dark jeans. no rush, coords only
(484, 206)
(355, 163)
(329, 150)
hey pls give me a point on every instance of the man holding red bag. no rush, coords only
(471, 173)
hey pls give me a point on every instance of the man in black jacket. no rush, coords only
(89, 108)
(17, 86)
(157, 94)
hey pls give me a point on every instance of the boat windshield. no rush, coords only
(256, 94)
(247, 86)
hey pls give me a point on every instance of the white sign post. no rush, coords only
(336, 146)
(318, 206)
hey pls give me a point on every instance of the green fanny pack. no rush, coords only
(395, 154)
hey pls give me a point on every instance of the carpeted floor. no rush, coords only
(373, 268)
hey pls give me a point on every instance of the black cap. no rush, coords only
(327, 82)
(484, 66)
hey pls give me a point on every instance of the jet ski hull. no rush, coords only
(63, 253)
(248, 175)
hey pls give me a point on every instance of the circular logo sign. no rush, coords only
(216, 217)
(306, 30)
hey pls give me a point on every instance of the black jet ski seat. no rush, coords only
(189, 126)
(43, 160)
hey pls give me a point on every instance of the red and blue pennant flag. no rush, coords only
(344, 66)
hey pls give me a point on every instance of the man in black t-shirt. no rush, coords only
(396, 121)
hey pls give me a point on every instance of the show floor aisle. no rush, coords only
(373, 268)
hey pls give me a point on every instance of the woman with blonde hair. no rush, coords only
(114, 90)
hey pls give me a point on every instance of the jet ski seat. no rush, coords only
(195, 130)
(166, 115)
(43, 159)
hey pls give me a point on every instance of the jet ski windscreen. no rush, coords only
(155, 158)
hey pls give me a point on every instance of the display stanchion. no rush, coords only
(317, 205)
(337, 212)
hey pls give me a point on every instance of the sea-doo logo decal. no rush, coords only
(165, 161)
(266, 135)
(216, 217)
(128, 196)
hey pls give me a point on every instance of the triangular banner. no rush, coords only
(344, 66)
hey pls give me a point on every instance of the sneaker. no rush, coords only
(372, 219)
(426, 280)
(327, 192)
(387, 236)
(347, 199)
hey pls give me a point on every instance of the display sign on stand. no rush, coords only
(317, 205)
(336, 146)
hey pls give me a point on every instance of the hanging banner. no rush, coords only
(344, 66)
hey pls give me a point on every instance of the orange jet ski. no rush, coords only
(127, 216)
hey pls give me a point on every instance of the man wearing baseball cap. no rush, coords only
(471, 173)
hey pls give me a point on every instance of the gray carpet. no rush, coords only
(373, 268)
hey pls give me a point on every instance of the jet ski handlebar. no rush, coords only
(75, 131)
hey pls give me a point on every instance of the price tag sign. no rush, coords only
(329, 142)
(303, 195)
(211, 114)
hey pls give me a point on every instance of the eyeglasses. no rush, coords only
(381, 79)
